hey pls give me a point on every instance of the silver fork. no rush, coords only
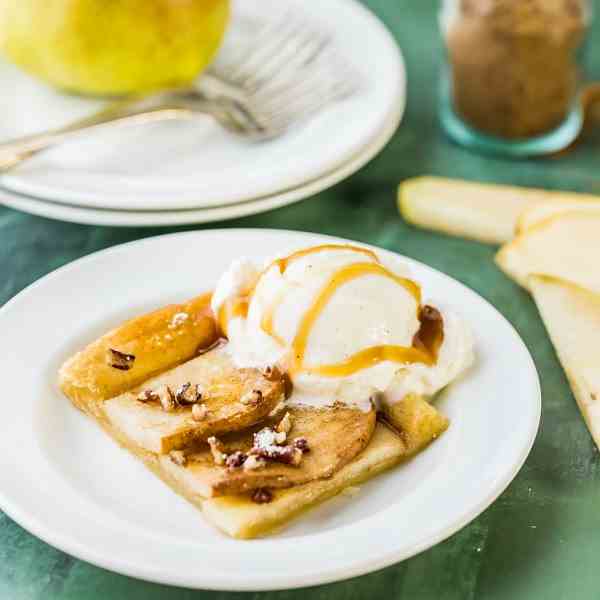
(255, 91)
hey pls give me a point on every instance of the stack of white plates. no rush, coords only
(192, 172)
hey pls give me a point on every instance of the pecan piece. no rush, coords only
(285, 424)
(166, 398)
(262, 495)
(147, 396)
(236, 460)
(216, 449)
(120, 360)
(187, 394)
(302, 444)
(178, 457)
(288, 455)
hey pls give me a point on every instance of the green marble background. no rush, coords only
(541, 538)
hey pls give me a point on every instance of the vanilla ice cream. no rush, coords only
(343, 324)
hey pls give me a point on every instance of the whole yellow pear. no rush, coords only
(112, 47)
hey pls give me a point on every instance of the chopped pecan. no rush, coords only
(166, 398)
(120, 360)
(199, 412)
(216, 449)
(287, 455)
(262, 496)
(178, 457)
(252, 398)
(302, 444)
(147, 396)
(188, 394)
(236, 460)
(285, 424)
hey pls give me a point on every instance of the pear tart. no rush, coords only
(164, 387)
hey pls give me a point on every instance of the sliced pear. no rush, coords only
(540, 212)
(239, 517)
(572, 317)
(566, 246)
(158, 340)
(480, 211)
(334, 435)
(223, 388)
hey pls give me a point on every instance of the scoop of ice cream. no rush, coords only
(338, 319)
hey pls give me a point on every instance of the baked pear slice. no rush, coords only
(572, 317)
(418, 422)
(479, 211)
(566, 246)
(334, 436)
(231, 400)
(157, 341)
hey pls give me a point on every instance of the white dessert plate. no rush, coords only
(123, 218)
(192, 164)
(68, 483)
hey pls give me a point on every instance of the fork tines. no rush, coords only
(288, 67)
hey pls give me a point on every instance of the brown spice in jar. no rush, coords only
(513, 63)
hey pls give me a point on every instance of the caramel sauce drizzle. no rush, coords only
(284, 263)
(266, 322)
(426, 342)
(238, 307)
(364, 358)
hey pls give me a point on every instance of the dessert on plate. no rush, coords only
(287, 384)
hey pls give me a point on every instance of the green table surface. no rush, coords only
(541, 538)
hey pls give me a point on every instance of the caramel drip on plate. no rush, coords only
(367, 357)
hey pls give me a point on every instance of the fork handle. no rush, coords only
(127, 112)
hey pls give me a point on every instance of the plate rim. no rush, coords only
(106, 217)
(78, 549)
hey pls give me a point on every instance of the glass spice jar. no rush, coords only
(513, 73)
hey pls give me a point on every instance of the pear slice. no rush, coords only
(158, 341)
(540, 212)
(223, 387)
(566, 246)
(479, 211)
(334, 435)
(572, 317)
(239, 517)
